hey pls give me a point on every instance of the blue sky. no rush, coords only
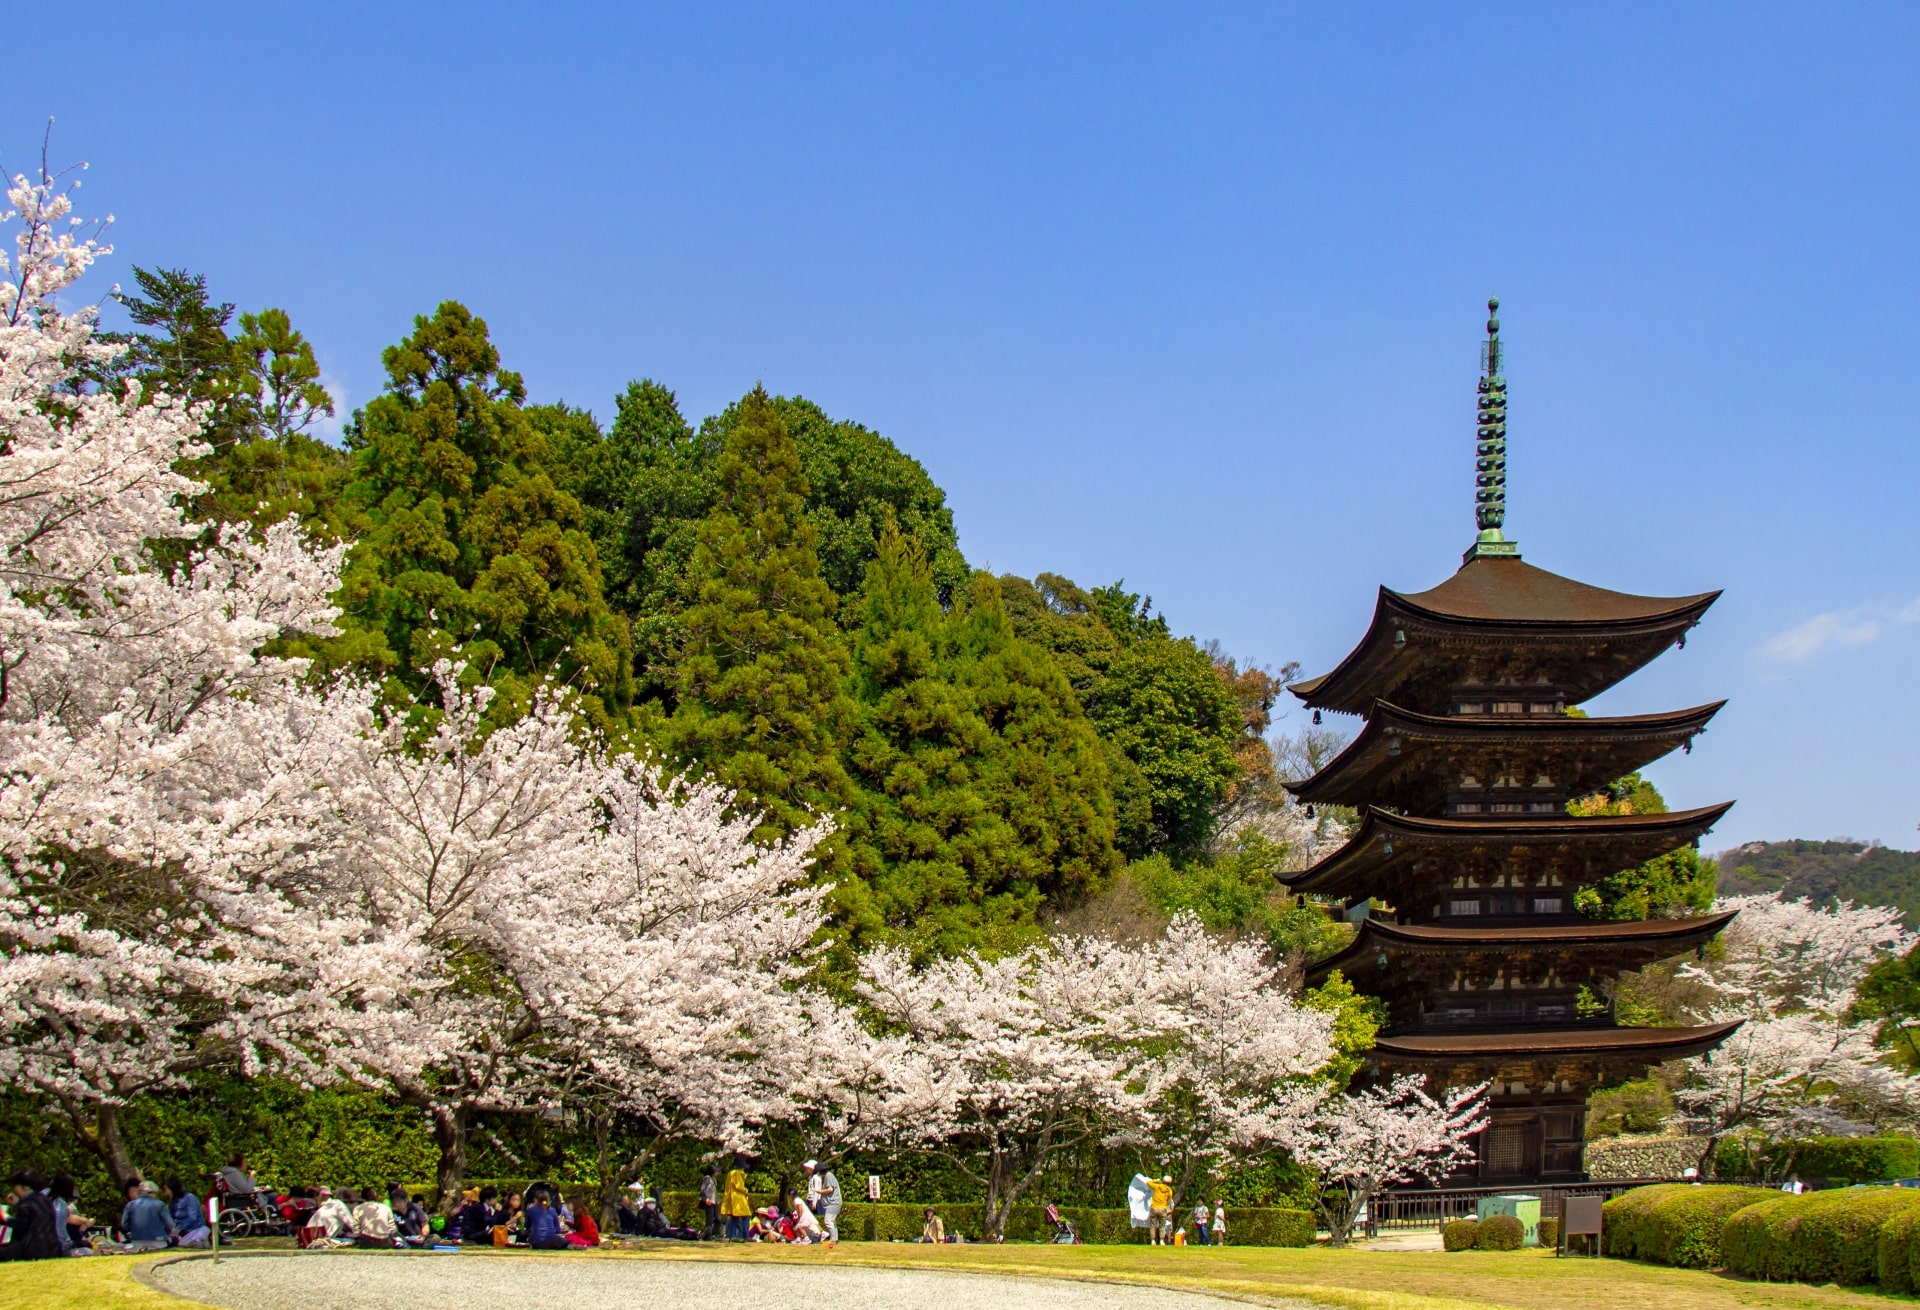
(1186, 295)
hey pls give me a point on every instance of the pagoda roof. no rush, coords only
(1628, 943)
(1412, 761)
(1653, 1045)
(1403, 850)
(1588, 638)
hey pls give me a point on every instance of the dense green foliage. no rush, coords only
(463, 547)
(1820, 1237)
(761, 685)
(1825, 871)
(982, 783)
(1841, 1161)
(1459, 1234)
(1889, 997)
(1643, 1105)
(1547, 1232)
(1679, 882)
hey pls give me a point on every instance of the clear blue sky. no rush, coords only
(1189, 296)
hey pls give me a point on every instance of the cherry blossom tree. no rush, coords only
(1028, 1063)
(1393, 1132)
(1216, 1046)
(1799, 1064)
(156, 766)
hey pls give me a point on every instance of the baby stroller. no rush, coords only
(1064, 1231)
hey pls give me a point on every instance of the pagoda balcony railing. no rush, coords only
(1510, 1011)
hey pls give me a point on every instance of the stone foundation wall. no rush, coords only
(1643, 1157)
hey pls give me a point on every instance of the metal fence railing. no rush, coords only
(1429, 1207)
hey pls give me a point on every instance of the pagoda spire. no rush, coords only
(1490, 464)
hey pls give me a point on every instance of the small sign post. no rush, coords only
(873, 1187)
(213, 1224)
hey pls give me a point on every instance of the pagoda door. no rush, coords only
(1511, 1147)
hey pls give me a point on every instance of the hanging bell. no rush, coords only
(1309, 811)
(1316, 716)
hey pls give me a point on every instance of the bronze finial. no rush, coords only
(1490, 463)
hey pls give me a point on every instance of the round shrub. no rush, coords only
(1500, 1232)
(1822, 1237)
(1549, 1232)
(1626, 1218)
(1896, 1254)
(1458, 1234)
(1684, 1229)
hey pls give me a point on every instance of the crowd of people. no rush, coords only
(43, 1220)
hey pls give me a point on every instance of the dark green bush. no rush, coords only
(1821, 1237)
(1896, 1254)
(1626, 1218)
(1458, 1234)
(1500, 1232)
(1684, 1229)
(1549, 1232)
(1839, 1160)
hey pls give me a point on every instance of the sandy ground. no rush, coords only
(466, 1281)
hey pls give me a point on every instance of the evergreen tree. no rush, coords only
(1677, 883)
(464, 544)
(761, 704)
(982, 782)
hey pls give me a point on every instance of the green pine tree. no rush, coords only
(982, 782)
(761, 706)
(465, 547)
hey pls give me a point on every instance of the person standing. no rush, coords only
(710, 1202)
(1200, 1217)
(1160, 1211)
(823, 1198)
(734, 1206)
(1219, 1224)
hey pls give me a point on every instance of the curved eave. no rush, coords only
(1654, 1045)
(1363, 860)
(1654, 938)
(1358, 679)
(1388, 721)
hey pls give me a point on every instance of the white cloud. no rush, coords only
(1836, 629)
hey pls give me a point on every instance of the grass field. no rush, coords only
(1359, 1279)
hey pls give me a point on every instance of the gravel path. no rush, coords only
(344, 1281)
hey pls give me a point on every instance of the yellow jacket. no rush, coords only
(733, 1198)
(1162, 1194)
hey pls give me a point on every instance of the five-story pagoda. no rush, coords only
(1463, 869)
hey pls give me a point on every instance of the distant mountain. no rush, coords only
(1821, 871)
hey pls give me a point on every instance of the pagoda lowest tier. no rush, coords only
(1463, 872)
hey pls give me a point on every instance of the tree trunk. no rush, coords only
(98, 1128)
(450, 1135)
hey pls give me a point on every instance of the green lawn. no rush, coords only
(1364, 1280)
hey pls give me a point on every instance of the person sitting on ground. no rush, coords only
(188, 1217)
(933, 1230)
(476, 1218)
(806, 1224)
(147, 1223)
(30, 1223)
(334, 1214)
(629, 1219)
(411, 1219)
(543, 1224)
(373, 1222)
(765, 1226)
(585, 1230)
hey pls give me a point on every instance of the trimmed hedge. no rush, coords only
(863, 1221)
(1684, 1230)
(1839, 1160)
(1500, 1232)
(1549, 1232)
(1821, 1237)
(1458, 1234)
(1627, 1219)
(1899, 1238)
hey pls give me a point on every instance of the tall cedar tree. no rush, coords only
(762, 706)
(983, 786)
(465, 546)
(260, 392)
